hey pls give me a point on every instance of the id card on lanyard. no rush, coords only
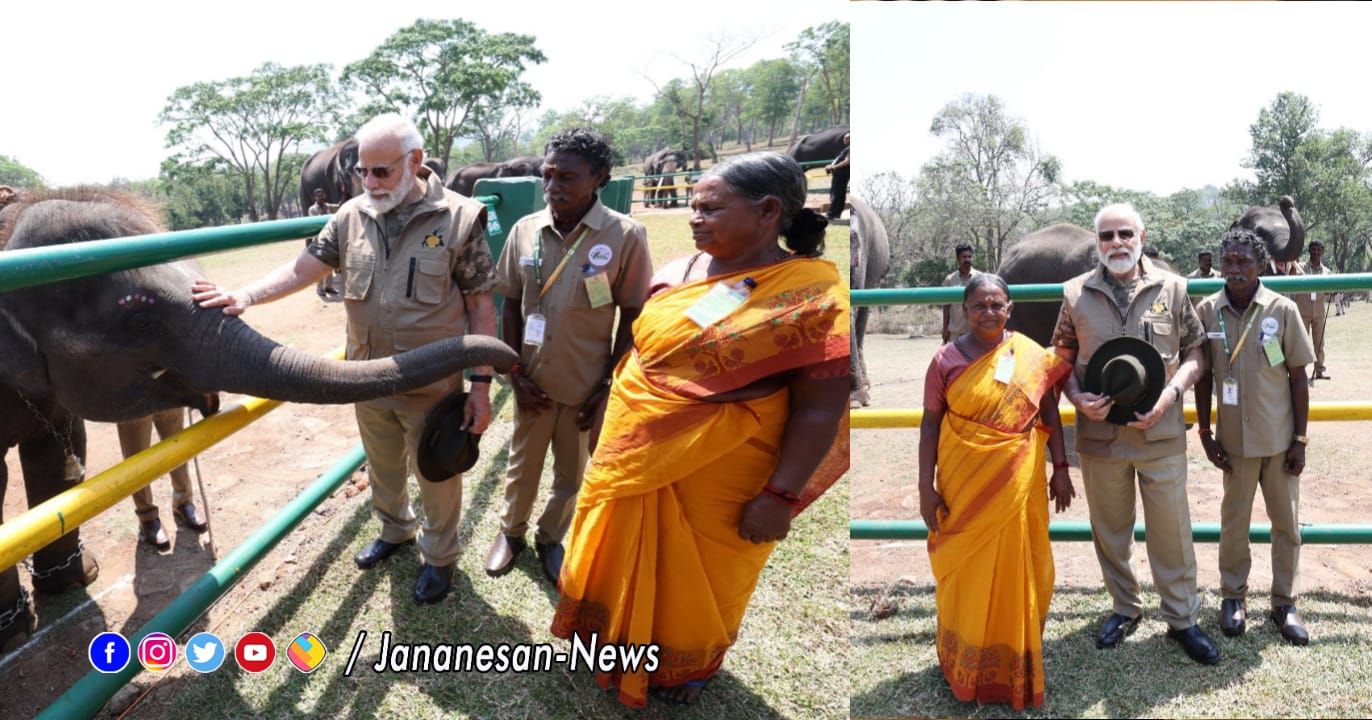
(536, 324)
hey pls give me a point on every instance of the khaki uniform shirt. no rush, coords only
(1319, 301)
(406, 291)
(1263, 422)
(1156, 311)
(1304, 304)
(957, 319)
(1197, 274)
(578, 339)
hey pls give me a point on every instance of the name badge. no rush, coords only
(1215, 335)
(715, 305)
(1272, 346)
(526, 262)
(1005, 368)
(598, 289)
(534, 326)
(1229, 391)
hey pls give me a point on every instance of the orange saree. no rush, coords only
(654, 555)
(992, 563)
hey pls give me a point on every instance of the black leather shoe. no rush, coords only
(1196, 643)
(1233, 617)
(504, 550)
(377, 551)
(1116, 628)
(1290, 623)
(190, 517)
(433, 584)
(550, 555)
(151, 532)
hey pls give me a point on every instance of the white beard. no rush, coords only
(391, 198)
(1120, 266)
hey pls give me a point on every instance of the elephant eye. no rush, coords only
(141, 323)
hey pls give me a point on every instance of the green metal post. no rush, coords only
(89, 694)
(1080, 530)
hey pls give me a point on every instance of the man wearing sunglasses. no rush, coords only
(1127, 295)
(416, 269)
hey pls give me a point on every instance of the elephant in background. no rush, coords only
(657, 189)
(124, 345)
(869, 256)
(1060, 252)
(330, 170)
(823, 145)
(523, 166)
(463, 180)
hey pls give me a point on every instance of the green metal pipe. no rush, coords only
(1080, 530)
(90, 694)
(35, 266)
(1053, 291)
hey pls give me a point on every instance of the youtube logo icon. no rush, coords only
(255, 652)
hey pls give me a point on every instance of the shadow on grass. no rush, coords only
(1148, 675)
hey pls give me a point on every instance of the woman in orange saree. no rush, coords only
(985, 394)
(712, 434)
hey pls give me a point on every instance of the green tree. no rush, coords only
(204, 194)
(775, 86)
(447, 73)
(825, 50)
(689, 99)
(1275, 158)
(15, 174)
(990, 182)
(253, 123)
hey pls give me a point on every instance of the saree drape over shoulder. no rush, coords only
(991, 559)
(654, 554)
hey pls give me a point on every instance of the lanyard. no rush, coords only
(538, 261)
(1242, 337)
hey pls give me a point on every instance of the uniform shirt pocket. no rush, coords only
(357, 275)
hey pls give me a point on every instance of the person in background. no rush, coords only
(954, 321)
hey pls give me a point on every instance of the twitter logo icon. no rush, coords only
(205, 652)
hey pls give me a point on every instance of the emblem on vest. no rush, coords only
(1159, 306)
(433, 240)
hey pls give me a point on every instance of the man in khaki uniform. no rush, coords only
(1319, 310)
(954, 319)
(564, 272)
(416, 268)
(1257, 349)
(1126, 295)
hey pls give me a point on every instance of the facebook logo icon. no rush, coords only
(109, 652)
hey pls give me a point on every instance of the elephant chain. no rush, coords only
(74, 471)
(21, 607)
(80, 545)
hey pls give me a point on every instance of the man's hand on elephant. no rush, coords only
(476, 413)
(1093, 406)
(209, 295)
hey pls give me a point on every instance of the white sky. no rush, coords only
(83, 82)
(1149, 96)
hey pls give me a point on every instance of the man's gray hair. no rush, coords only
(392, 125)
(1123, 208)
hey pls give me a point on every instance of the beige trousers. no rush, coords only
(1281, 493)
(1167, 523)
(533, 433)
(390, 438)
(1314, 325)
(137, 436)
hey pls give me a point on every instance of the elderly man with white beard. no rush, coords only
(416, 269)
(1126, 296)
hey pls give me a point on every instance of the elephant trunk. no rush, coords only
(1296, 239)
(229, 355)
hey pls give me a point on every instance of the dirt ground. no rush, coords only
(263, 466)
(1336, 485)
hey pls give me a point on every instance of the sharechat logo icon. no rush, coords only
(205, 652)
(306, 652)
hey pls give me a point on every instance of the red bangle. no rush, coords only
(1204, 432)
(1061, 466)
(780, 495)
(516, 369)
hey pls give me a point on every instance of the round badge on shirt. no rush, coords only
(1269, 326)
(600, 255)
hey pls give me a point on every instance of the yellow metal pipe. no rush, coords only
(58, 516)
(1319, 412)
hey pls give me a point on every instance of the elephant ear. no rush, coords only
(22, 366)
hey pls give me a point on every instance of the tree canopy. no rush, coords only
(15, 174)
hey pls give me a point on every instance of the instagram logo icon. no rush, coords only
(157, 652)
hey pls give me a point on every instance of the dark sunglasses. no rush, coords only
(380, 172)
(1105, 235)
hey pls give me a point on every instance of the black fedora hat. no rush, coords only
(446, 449)
(1131, 372)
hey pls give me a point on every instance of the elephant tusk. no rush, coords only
(159, 372)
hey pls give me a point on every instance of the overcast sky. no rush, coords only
(1150, 96)
(83, 82)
